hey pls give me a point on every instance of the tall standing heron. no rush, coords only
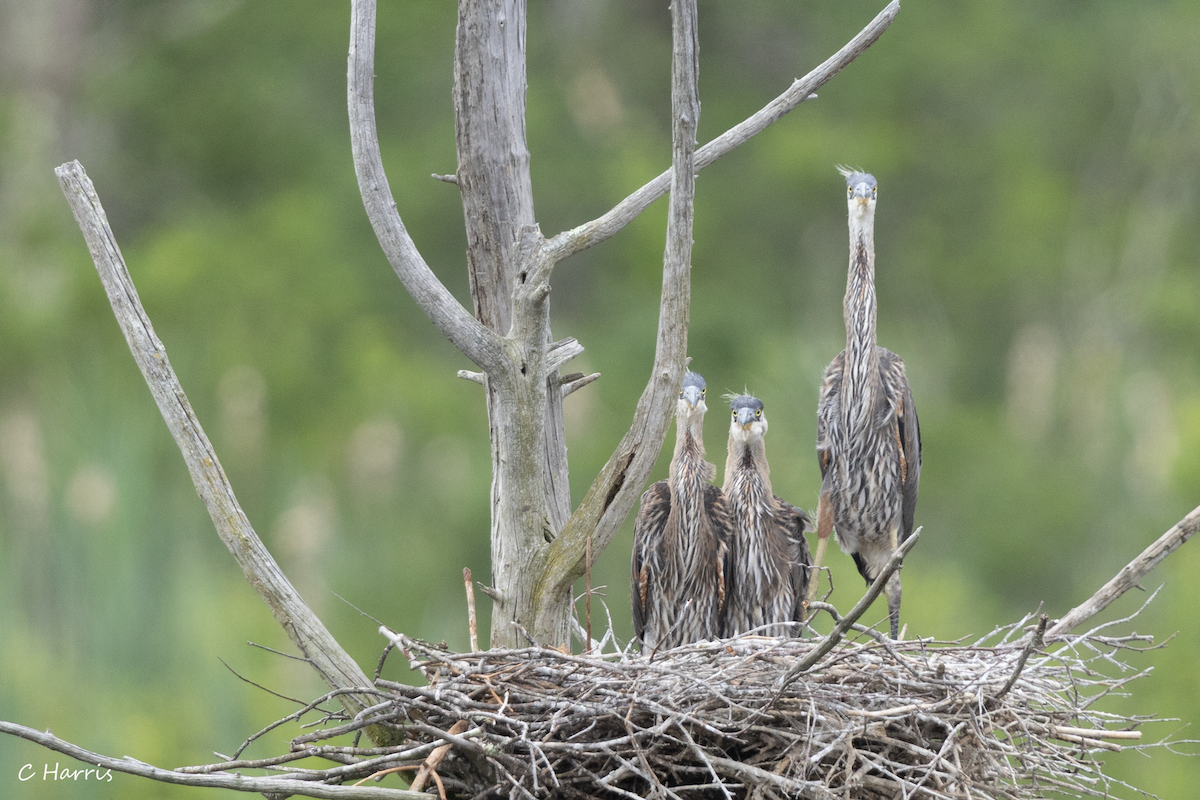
(769, 576)
(681, 540)
(868, 438)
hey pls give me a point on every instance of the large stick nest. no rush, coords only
(1004, 717)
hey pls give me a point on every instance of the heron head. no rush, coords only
(861, 190)
(748, 417)
(691, 394)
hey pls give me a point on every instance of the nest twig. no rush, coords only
(1003, 717)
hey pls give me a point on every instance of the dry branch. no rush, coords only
(303, 626)
(242, 783)
(584, 236)
(472, 624)
(1130, 575)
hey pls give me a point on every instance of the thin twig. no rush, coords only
(244, 679)
(472, 624)
(1036, 642)
(587, 645)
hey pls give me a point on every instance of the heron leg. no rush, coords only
(892, 592)
(824, 531)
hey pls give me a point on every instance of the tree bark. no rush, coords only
(530, 494)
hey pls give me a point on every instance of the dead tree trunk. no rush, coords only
(530, 495)
(539, 545)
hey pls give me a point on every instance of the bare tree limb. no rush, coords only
(273, 787)
(475, 340)
(301, 624)
(1129, 576)
(616, 488)
(860, 608)
(580, 238)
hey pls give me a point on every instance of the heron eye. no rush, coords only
(874, 190)
(703, 392)
(849, 191)
(757, 413)
(735, 415)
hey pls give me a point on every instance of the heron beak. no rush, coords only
(745, 416)
(691, 395)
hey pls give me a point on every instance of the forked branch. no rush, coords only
(303, 626)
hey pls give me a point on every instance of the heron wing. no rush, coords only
(795, 522)
(648, 530)
(908, 436)
(720, 518)
(828, 409)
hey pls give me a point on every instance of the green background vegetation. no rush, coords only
(1038, 245)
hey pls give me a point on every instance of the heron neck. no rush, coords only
(688, 463)
(862, 358)
(747, 456)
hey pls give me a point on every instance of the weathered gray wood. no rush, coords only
(584, 236)
(493, 157)
(1129, 576)
(510, 285)
(497, 194)
(301, 624)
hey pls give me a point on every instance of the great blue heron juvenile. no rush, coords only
(868, 438)
(769, 576)
(681, 540)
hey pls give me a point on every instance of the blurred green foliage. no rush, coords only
(1037, 268)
